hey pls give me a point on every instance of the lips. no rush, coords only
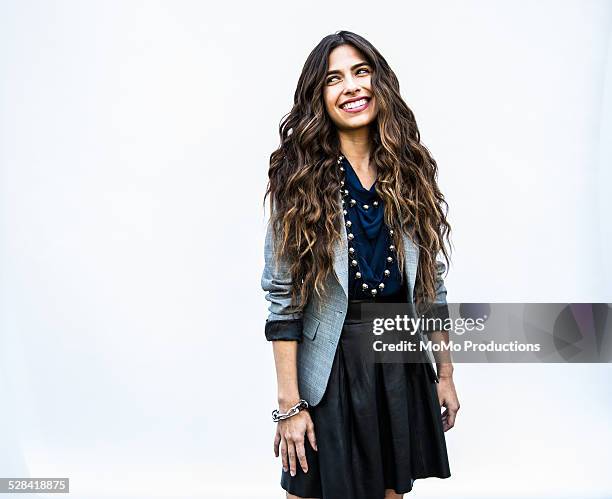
(356, 105)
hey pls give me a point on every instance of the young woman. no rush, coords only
(356, 216)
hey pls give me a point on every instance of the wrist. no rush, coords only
(445, 371)
(285, 402)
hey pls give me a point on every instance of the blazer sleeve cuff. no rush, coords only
(288, 330)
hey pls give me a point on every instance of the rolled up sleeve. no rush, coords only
(284, 321)
(287, 330)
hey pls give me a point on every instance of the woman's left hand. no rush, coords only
(447, 396)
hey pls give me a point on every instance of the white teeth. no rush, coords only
(354, 104)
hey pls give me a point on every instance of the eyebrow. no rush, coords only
(354, 66)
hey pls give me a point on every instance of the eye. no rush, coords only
(330, 79)
(366, 70)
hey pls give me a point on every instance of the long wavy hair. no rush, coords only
(304, 178)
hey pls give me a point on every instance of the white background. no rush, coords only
(134, 146)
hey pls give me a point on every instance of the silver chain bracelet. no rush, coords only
(278, 416)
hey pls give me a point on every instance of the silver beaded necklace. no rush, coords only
(373, 288)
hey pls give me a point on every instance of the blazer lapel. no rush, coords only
(341, 257)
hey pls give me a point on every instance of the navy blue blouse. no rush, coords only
(370, 243)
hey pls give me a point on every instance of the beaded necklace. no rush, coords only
(369, 288)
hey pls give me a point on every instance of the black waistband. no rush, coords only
(356, 312)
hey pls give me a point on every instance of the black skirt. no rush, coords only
(378, 426)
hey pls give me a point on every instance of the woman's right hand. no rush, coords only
(290, 436)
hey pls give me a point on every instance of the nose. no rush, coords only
(350, 85)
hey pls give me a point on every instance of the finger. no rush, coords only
(277, 440)
(292, 459)
(445, 426)
(311, 437)
(449, 421)
(451, 418)
(284, 454)
(301, 454)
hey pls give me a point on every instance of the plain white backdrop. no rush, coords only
(134, 146)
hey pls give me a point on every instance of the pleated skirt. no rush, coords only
(378, 426)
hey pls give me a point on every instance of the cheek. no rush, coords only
(329, 97)
(373, 106)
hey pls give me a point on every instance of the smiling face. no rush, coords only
(347, 91)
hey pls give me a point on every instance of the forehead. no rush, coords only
(343, 57)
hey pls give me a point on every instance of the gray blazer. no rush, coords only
(322, 326)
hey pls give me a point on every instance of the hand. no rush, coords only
(290, 435)
(447, 396)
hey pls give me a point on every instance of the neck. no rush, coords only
(355, 146)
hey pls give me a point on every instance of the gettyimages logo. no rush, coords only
(496, 332)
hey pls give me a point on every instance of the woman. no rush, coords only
(356, 216)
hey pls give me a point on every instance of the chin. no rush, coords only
(357, 123)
